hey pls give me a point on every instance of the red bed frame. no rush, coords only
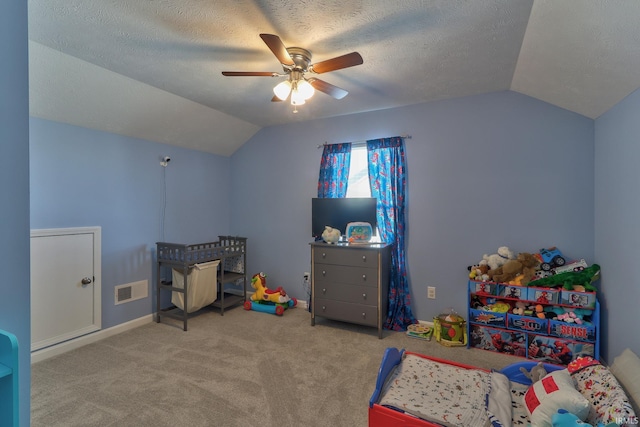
(381, 416)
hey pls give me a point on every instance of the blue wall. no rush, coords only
(82, 177)
(14, 188)
(483, 172)
(617, 235)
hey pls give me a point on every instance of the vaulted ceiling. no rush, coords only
(151, 69)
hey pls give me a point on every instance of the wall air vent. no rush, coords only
(131, 291)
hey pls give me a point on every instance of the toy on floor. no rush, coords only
(268, 300)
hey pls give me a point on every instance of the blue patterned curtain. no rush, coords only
(334, 170)
(387, 175)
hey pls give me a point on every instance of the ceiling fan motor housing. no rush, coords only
(301, 58)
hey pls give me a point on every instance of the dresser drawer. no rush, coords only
(346, 312)
(345, 256)
(324, 273)
(364, 295)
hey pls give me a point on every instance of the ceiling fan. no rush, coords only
(296, 62)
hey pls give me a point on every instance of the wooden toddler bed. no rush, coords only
(414, 390)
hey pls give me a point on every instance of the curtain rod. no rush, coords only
(362, 142)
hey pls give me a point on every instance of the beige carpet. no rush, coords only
(241, 369)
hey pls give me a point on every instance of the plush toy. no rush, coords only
(331, 235)
(564, 418)
(517, 280)
(537, 373)
(262, 293)
(540, 274)
(525, 264)
(496, 260)
(519, 308)
(567, 314)
(570, 279)
(479, 271)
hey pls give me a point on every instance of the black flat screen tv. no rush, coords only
(337, 213)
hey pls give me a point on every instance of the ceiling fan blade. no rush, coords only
(249, 73)
(344, 61)
(327, 88)
(276, 99)
(278, 48)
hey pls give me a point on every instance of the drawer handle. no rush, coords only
(364, 296)
(324, 308)
(364, 315)
(324, 273)
(364, 277)
(324, 255)
(324, 290)
(364, 257)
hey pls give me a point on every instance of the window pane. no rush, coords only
(358, 174)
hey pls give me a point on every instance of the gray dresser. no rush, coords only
(350, 283)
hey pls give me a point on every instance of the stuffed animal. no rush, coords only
(331, 235)
(519, 308)
(496, 260)
(568, 314)
(479, 271)
(570, 279)
(262, 293)
(564, 418)
(525, 264)
(537, 373)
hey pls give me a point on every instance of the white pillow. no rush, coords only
(555, 391)
(499, 399)
(626, 369)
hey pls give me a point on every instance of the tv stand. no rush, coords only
(350, 282)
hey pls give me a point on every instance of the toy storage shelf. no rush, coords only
(231, 251)
(545, 340)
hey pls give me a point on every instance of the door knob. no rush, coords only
(86, 280)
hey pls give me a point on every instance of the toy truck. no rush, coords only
(550, 258)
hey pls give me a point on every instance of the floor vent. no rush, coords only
(131, 291)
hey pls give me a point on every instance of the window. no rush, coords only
(358, 185)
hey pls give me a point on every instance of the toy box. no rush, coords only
(483, 288)
(578, 299)
(556, 350)
(494, 339)
(584, 332)
(527, 323)
(488, 317)
(543, 295)
(513, 292)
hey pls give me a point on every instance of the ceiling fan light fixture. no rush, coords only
(297, 98)
(282, 89)
(305, 89)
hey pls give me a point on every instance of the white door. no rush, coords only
(65, 284)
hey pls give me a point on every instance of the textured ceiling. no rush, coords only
(151, 69)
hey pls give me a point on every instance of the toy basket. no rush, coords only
(450, 330)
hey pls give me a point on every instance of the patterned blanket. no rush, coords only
(442, 393)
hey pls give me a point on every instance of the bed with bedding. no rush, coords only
(415, 390)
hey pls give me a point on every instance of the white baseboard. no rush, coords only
(63, 347)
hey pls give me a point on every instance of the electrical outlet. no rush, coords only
(431, 292)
